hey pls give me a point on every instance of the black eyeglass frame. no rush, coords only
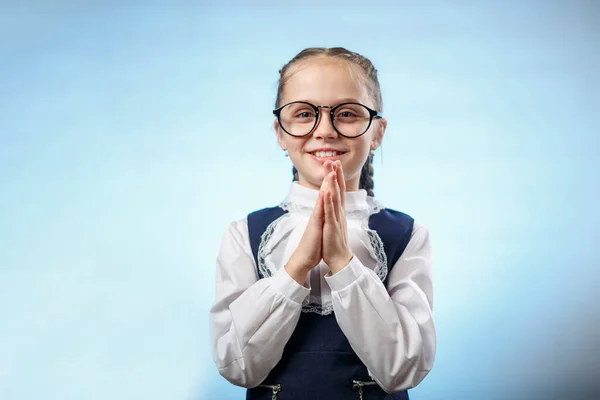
(372, 114)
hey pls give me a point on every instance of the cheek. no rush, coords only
(360, 150)
(294, 144)
(362, 146)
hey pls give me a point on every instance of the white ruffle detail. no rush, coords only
(373, 206)
(377, 251)
(273, 250)
(312, 304)
(266, 246)
(291, 207)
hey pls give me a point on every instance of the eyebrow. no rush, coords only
(339, 101)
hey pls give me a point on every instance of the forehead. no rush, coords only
(324, 81)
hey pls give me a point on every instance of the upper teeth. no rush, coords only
(326, 153)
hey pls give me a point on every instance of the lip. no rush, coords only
(326, 149)
(323, 159)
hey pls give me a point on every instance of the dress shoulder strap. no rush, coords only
(395, 230)
(258, 221)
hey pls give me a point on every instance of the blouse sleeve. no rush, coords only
(391, 330)
(251, 320)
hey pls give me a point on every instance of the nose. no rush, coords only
(324, 128)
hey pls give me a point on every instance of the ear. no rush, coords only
(280, 135)
(378, 134)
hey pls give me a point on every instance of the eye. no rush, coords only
(346, 115)
(305, 114)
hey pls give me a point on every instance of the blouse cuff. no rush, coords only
(288, 287)
(346, 276)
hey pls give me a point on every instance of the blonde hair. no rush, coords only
(363, 69)
(362, 66)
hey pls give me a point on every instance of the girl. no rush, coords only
(328, 295)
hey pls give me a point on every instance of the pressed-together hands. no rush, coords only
(326, 235)
(336, 250)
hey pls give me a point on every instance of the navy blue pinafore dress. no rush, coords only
(318, 362)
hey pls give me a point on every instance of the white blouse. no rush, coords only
(391, 328)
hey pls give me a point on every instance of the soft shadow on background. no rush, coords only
(132, 134)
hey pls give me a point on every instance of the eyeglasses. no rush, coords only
(350, 120)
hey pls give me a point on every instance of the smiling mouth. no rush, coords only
(327, 154)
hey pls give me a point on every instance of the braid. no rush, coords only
(366, 176)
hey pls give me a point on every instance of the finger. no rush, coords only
(329, 213)
(328, 166)
(324, 184)
(342, 186)
(342, 183)
(335, 192)
(317, 215)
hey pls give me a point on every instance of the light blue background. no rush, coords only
(132, 134)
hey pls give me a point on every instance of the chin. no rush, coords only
(314, 179)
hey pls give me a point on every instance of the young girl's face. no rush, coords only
(328, 82)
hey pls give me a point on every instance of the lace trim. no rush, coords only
(374, 205)
(265, 267)
(313, 304)
(377, 251)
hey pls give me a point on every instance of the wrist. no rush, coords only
(298, 273)
(338, 265)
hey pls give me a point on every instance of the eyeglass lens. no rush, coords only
(299, 119)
